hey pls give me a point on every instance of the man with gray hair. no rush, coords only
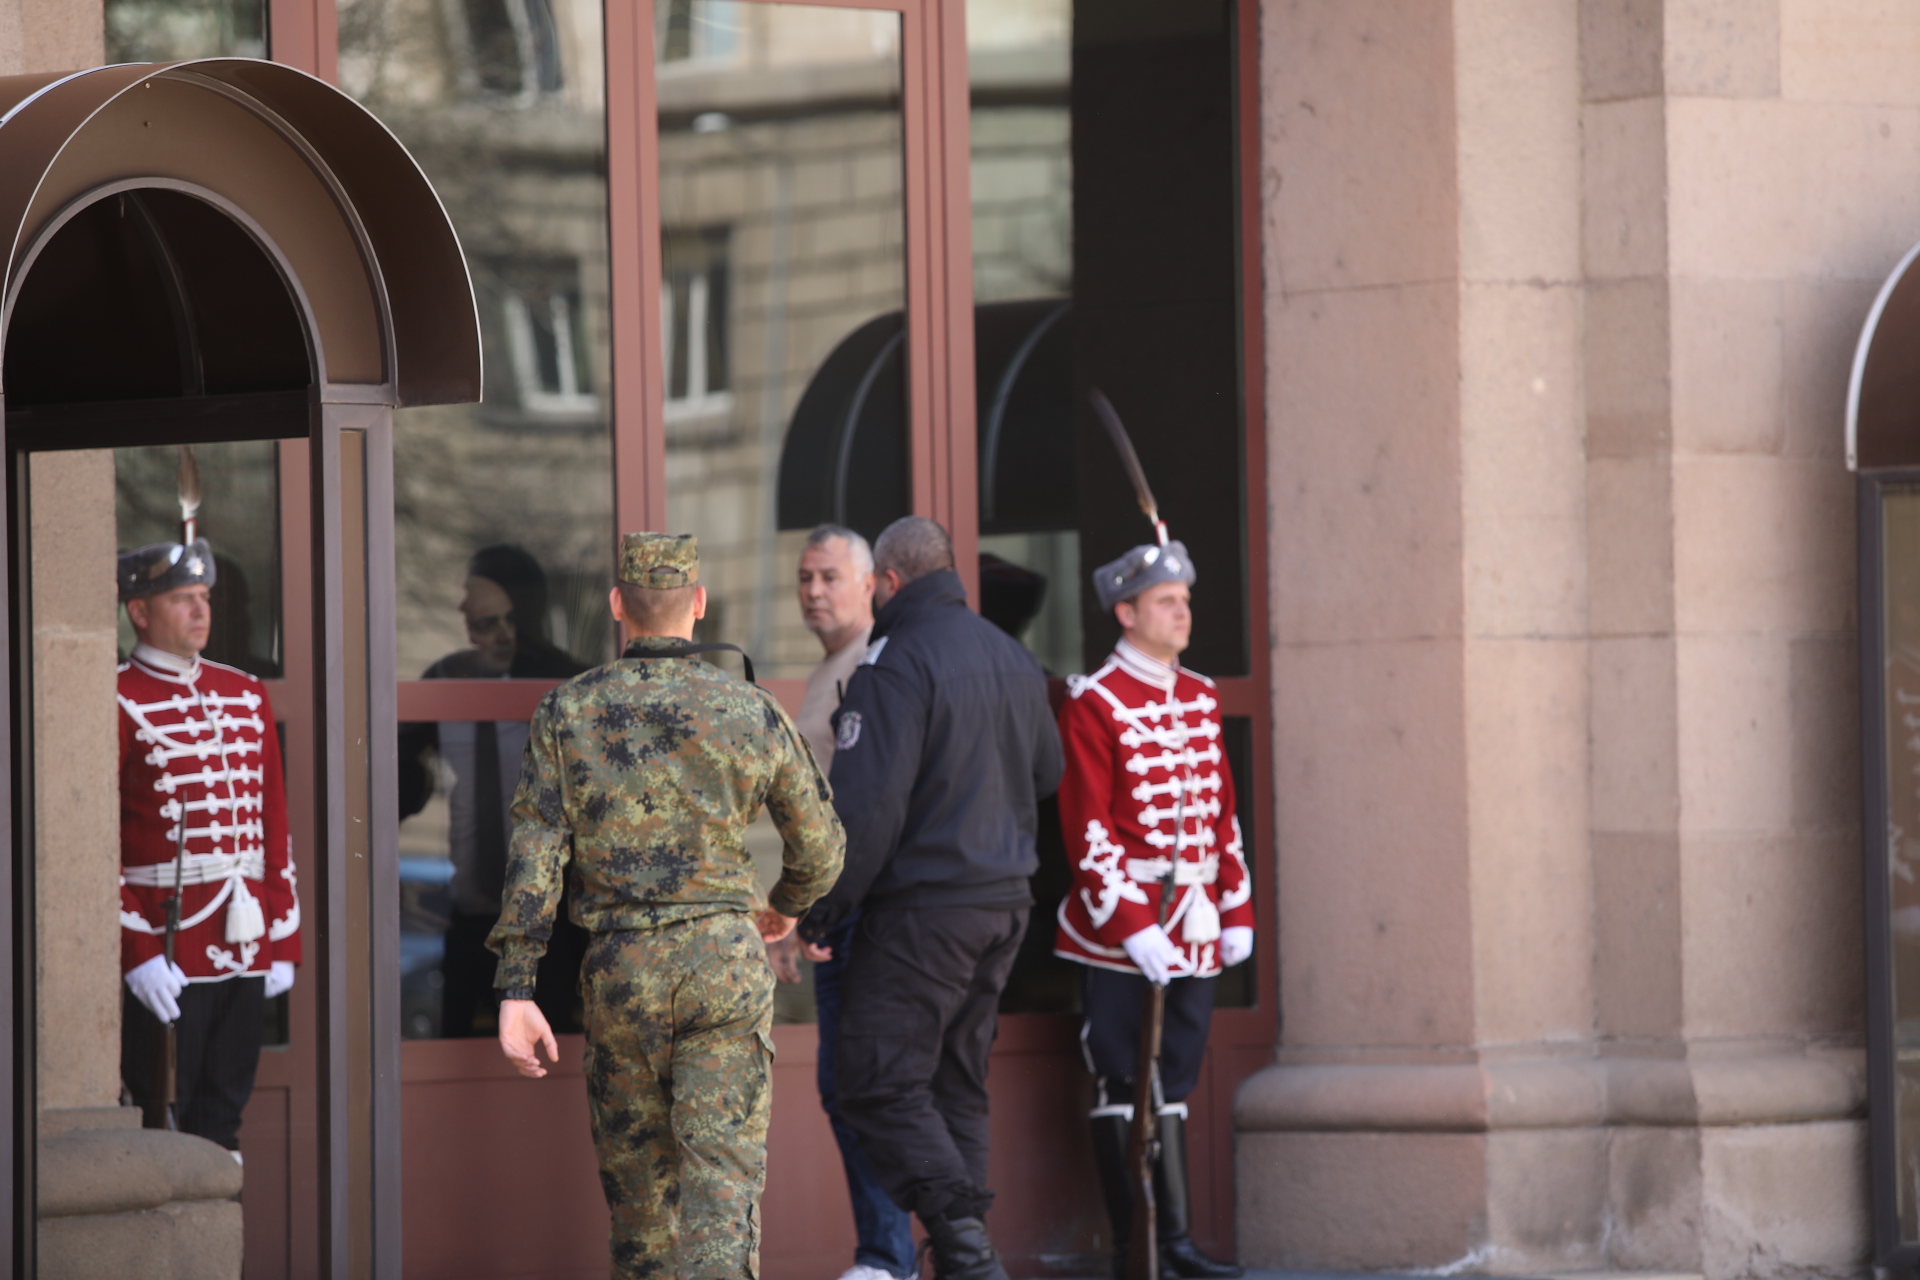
(943, 746)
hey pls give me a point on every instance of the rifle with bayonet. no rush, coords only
(168, 1073)
(1143, 1137)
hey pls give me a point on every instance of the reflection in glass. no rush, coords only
(240, 519)
(503, 103)
(783, 216)
(1020, 72)
(170, 30)
(456, 785)
(1901, 608)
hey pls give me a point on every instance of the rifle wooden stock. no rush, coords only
(1143, 1136)
(168, 1082)
(1143, 1141)
(166, 1075)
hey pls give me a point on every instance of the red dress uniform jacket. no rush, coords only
(203, 739)
(1138, 734)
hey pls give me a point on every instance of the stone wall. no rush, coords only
(48, 35)
(76, 779)
(1560, 301)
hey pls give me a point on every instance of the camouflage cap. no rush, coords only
(660, 560)
(160, 567)
(1140, 568)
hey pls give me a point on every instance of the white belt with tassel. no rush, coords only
(1202, 920)
(246, 921)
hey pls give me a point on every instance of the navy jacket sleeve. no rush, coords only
(876, 759)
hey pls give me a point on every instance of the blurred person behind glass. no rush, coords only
(505, 610)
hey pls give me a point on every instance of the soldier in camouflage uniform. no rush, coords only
(642, 776)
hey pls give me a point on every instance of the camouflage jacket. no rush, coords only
(643, 775)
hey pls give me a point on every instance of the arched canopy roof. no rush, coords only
(1883, 397)
(366, 245)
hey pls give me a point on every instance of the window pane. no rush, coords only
(783, 234)
(1104, 237)
(503, 103)
(454, 832)
(169, 30)
(457, 780)
(1022, 169)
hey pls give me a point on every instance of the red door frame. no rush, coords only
(1037, 1082)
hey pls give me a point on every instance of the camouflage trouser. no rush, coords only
(679, 1055)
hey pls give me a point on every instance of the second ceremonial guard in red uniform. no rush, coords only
(202, 813)
(1147, 793)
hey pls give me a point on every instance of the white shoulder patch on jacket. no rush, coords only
(849, 731)
(872, 658)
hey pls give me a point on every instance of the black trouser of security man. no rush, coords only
(921, 1008)
(1114, 1003)
(943, 745)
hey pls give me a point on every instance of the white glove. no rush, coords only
(279, 978)
(1153, 951)
(1236, 944)
(157, 985)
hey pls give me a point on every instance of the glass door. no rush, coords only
(783, 231)
(1890, 689)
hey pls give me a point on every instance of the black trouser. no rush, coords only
(1111, 1033)
(217, 1049)
(921, 1006)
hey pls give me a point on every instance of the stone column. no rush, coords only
(1744, 200)
(1429, 543)
(1559, 302)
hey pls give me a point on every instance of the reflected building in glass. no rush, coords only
(783, 242)
(1019, 71)
(172, 30)
(503, 103)
(503, 511)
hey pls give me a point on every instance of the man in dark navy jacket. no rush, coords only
(944, 744)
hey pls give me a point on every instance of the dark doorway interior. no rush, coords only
(1156, 300)
(152, 317)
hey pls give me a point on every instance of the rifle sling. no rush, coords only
(688, 649)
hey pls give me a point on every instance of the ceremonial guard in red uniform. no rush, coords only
(202, 814)
(1147, 791)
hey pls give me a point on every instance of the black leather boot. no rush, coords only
(1173, 1199)
(1110, 1158)
(962, 1250)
